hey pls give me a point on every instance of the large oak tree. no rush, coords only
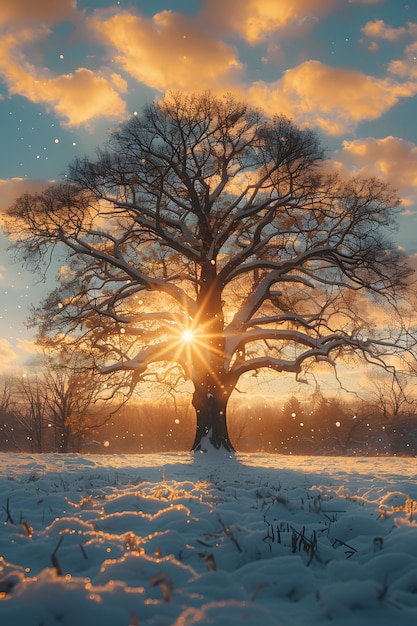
(207, 241)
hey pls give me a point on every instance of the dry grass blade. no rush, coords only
(210, 563)
(54, 559)
(165, 584)
(8, 514)
(229, 533)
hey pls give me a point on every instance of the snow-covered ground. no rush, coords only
(178, 540)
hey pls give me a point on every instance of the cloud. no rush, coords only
(255, 20)
(391, 158)
(27, 348)
(334, 99)
(172, 50)
(378, 29)
(408, 66)
(12, 188)
(13, 357)
(22, 12)
(169, 51)
(81, 97)
(7, 354)
(412, 260)
(78, 97)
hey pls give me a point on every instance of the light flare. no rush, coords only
(188, 336)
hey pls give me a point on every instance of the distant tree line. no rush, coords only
(55, 409)
(325, 426)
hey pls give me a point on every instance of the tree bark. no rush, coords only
(211, 419)
(211, 386)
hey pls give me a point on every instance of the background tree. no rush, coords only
(5, 394)
(292, 426)
(207, 239)
(55, 405)
(30, 408)
(71, 396)
(393, 396)
(339, 426)
(149, 426)
(393, 393)
(9, 434)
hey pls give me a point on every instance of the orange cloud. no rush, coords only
(255, 20)
(379, 30)
(12, 188)
(174, 51)
(169, 51)
(408, 66)
(7, 354)
(412, 260)
(27, 348)
(13, 357)
(334, 99)
(20, 12)
(391, 158)
(78, 98)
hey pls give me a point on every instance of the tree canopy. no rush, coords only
(207, 240)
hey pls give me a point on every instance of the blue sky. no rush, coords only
(71, 70)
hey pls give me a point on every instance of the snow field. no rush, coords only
(208, 539)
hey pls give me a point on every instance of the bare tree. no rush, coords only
(208, 239)
(71, 396)
(8, 422)
(341, 426)
(5, 394)
(29, 408)
(56, 404)
(393, 393)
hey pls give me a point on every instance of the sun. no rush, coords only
(187, 336)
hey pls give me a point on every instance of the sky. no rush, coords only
(70, 70)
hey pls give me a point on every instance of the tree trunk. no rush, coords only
(211, 419)
(212, 386)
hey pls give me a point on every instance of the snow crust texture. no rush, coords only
(181, 540)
